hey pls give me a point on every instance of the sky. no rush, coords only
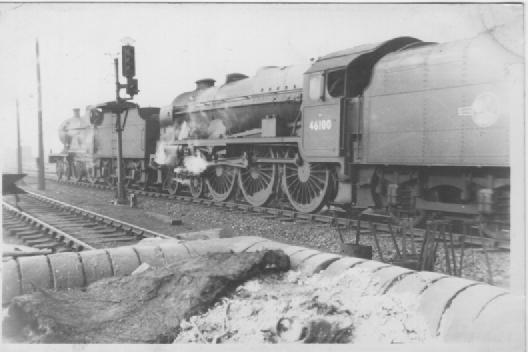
(177, 44)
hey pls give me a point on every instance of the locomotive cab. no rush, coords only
(330, 109)
(321, 114)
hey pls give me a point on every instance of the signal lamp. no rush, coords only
(128, 61)
(132, 86)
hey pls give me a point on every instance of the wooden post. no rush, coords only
(41, 181)
(19, 148)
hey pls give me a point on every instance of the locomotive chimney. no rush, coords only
(77, 113)
(233, 77)
(204, 83)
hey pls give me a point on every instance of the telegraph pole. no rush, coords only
(41, 182)
(19, 148)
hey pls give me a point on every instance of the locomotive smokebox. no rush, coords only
(72, 130)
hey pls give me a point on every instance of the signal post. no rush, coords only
(119, 106)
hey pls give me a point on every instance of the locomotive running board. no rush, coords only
(222, 142)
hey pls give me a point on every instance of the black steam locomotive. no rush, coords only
(405, 125)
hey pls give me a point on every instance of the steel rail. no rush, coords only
(318, 218)
(98, 217)
(292, 214)
(62, 236)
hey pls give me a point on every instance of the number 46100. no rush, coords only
(320, 125)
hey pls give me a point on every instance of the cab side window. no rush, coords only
(315, 87)
(336, 83)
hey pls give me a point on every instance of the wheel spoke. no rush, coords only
(310, 191)
(266, 176)
(221, 187)
(246, 178)
(258, 180)
(260, 184)
(310, 194)
(196, 186)
(303, 195)
(322, 180)
(224, 184)
(297, 191)
(292, 177)
(314, 187)
(293, 183)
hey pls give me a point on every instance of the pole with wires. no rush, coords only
(40, 160)
(19, 147)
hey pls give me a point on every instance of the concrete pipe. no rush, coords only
(454, 309)
(68, 270)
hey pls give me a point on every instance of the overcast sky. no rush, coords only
(176, 44)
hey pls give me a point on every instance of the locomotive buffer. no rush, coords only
(119, 106)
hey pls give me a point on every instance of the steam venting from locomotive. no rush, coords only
(197, 124)
(165, 156)
(195, 164)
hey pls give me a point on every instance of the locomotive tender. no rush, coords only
(405, 125)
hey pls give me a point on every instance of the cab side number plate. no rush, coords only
(320, 125)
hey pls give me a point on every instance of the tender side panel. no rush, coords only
(134, 142)
(444, 104)
(105, 137)
(134, 136)
(434, 130)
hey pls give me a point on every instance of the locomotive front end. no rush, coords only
(199, 125)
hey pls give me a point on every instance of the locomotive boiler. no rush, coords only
(238, 105)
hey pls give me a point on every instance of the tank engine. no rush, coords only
(90, 146)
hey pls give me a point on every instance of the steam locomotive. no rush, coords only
(404, 125)
(90, 146)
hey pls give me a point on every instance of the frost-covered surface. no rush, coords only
(292, 308)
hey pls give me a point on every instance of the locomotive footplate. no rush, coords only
(222, 142)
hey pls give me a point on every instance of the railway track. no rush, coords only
(46, 223)
(336, 219)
